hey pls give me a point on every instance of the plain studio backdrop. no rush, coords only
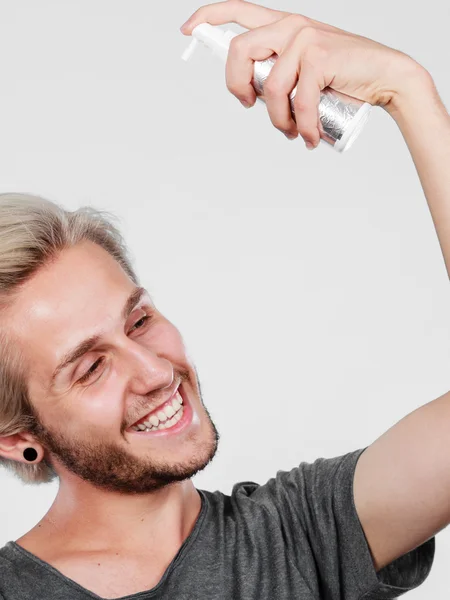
(309, 286)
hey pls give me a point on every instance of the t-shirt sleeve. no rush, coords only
(314, 505)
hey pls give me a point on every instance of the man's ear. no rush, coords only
(21, 447)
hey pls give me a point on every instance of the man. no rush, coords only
(96, 387)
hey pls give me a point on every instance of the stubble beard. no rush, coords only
(109, 466)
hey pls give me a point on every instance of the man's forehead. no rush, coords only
(76, 295)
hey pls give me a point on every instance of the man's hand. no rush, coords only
(312, 56)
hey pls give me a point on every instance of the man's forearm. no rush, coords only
(425, 125)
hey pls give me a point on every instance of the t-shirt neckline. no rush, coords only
(176, 561)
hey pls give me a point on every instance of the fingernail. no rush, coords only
(310, 146)
(290, 136)
(245, 103)
(184, 25)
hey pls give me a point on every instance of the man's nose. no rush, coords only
(146, 371)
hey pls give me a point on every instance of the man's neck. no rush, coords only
(85, 518)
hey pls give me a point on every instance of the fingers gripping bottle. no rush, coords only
(342, 117)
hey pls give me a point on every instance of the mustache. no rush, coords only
(155, 398)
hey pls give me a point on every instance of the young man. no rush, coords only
(96, 387)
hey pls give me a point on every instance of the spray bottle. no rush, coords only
(342, 117)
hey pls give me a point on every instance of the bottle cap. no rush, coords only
(354, 128)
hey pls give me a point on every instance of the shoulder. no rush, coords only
(9, 566)
(308, 480)
(308, 487)
(307, 484)
(7, 555)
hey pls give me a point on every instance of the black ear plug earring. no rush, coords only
(30, 454)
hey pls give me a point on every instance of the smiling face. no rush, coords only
(101, 361)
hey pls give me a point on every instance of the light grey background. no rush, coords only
(309, 286)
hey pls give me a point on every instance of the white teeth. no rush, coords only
(165, 418)
(179, 398)
(169, 411)
(161, 416)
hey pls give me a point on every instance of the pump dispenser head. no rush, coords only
(214, 38)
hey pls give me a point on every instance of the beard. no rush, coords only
(109, 466)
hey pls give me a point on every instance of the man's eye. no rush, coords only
(91, 371)
(139, 324)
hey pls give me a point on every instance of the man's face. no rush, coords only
(99, 358)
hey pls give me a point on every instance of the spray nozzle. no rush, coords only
(190, 50)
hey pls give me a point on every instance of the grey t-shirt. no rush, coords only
(296, 537)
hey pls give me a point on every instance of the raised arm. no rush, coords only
(402, 481)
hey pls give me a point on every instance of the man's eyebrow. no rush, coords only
(136, 295)
(86, 345)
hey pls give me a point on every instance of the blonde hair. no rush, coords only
(32, 232)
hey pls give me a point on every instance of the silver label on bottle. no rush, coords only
(336, 110)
